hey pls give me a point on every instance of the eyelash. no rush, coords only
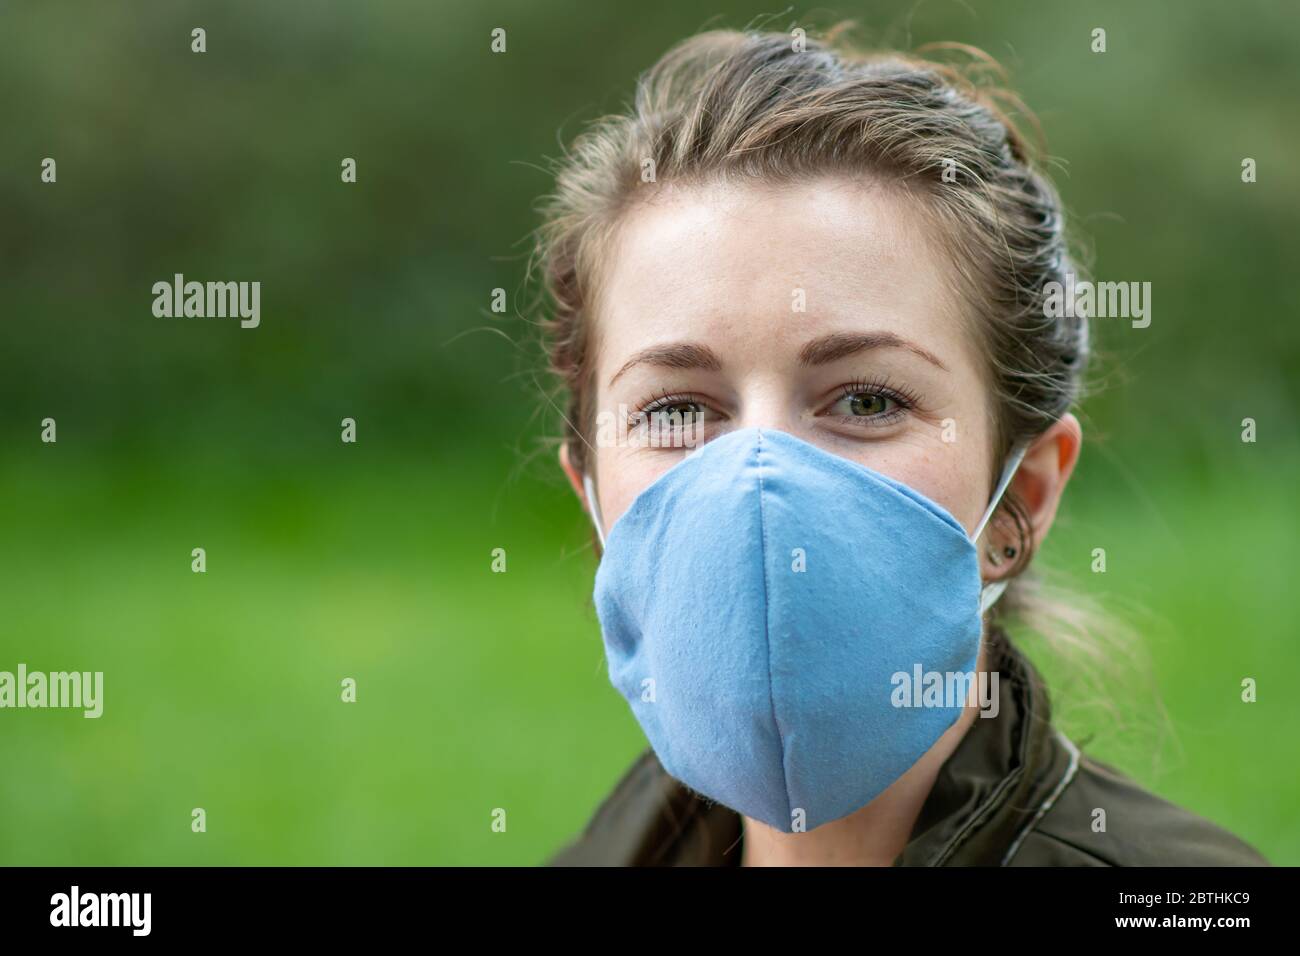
(657, 400)
(904, 399)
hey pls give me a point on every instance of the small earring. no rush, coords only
(1009, 551)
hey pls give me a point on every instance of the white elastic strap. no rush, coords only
(991, 592)
(593, 508)
(1008, 472)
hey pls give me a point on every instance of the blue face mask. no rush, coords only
(758, 602)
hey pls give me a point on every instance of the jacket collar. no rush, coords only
(1001, 779)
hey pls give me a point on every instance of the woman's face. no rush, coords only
(823, 309)
(698, 315)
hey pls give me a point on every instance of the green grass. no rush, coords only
(477, 690)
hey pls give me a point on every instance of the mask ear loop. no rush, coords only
(991, 592)
(593, 508)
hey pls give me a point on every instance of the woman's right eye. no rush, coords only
(677, 413)
(670, 409)
(672, 421)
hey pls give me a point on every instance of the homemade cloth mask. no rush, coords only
(756, 601)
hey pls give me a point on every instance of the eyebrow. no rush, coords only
(820, 351)
(838, 345)
(680, 355)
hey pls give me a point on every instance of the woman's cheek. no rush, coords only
(954, 484)
(623, 473)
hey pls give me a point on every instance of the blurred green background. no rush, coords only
(373, 561)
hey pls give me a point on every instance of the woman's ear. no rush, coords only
(1038, 485)
(575, 479)
(1042, 476)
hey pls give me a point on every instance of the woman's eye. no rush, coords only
(679, 416)
(671, 422)
(866, 405)
(678, 419)
(683, 413)
(869, 403)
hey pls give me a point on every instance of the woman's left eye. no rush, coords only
(869, 405)
(865, 405)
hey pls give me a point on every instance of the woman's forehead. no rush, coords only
(775, 267)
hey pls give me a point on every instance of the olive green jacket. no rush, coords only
(1015, 792)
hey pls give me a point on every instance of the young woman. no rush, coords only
(819, 414)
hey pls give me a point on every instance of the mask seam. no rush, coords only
(767, 626)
